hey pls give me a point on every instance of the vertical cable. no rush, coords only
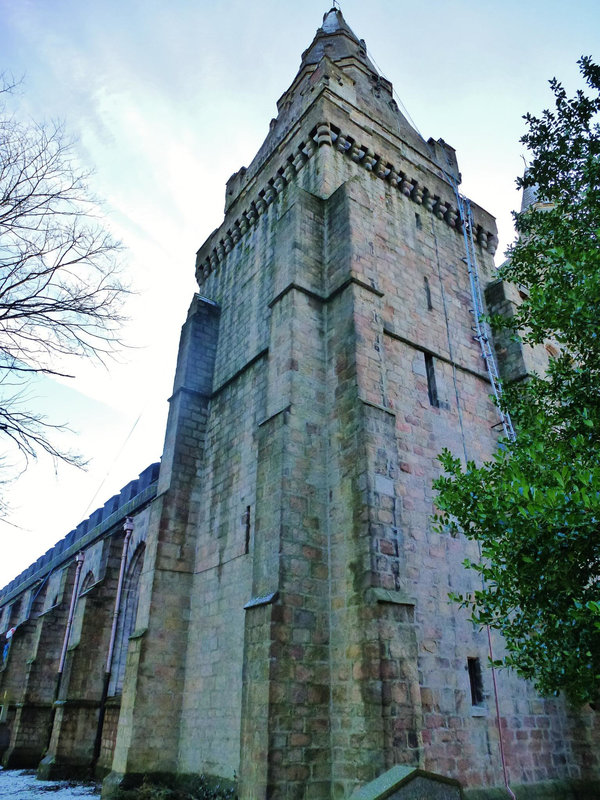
(464, 444)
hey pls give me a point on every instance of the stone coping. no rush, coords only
(388, 784)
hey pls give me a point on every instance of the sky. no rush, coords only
(166, 100)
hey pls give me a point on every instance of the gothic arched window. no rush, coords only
(126, 623)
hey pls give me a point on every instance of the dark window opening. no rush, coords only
(428, 294)
(418, 222)
(247, 520)
(475, 681)
(431, 384)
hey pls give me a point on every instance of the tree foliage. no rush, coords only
(535, 508)
(60, 290)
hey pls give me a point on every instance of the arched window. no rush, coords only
(87, 582)
(126, 623)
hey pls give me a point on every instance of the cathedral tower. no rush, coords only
(298, 629)
(286, 617)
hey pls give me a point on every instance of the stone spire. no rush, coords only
(529, 196)
(336, 40)
(336, 74)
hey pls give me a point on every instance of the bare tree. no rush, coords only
(60, 290)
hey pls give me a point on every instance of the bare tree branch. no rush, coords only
(61, 292)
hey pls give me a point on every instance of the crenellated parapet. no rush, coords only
(60, 641)
(326, 134)
(132, 498)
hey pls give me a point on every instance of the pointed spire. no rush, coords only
(336, 39)
(529, 196)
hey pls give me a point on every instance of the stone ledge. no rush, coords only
(263, 600)
(378, 595)
(284, 410)
(138, 633)
(378, 406)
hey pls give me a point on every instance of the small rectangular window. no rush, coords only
(475, 681)
(428, 294)
(431, 384)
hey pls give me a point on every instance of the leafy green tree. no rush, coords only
(535, 508)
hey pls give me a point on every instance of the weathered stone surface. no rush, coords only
(327, 362)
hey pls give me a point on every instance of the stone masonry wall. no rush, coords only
(29, 678)
(149, 726)
(390, 313)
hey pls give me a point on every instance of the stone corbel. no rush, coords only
(269, 194)
(260, 205)
(369, 159)
(289, 171)
(342, 144)
(356, 153)
(251, 214)
(406, 186)
(299, 160)
(393, 177)
(309, 148)
(492, 243)
(323, 134)
(417, 194)
(428, 200)
(382, 170)
(439, 208)
(451, 216)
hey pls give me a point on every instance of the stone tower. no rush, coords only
(297, 625)
(293, 627)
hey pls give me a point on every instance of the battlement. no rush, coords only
(132, 497)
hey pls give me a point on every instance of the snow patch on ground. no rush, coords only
(21, 784)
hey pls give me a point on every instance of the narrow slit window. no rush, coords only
(475, 681)
(431, 384)
(428, 294)
(247, 521)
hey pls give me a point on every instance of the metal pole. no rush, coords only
(79, 559)
(128, 528)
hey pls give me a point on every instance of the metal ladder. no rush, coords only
(481, 328)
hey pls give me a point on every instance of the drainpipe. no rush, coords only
(128, 528)
(79, 558)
